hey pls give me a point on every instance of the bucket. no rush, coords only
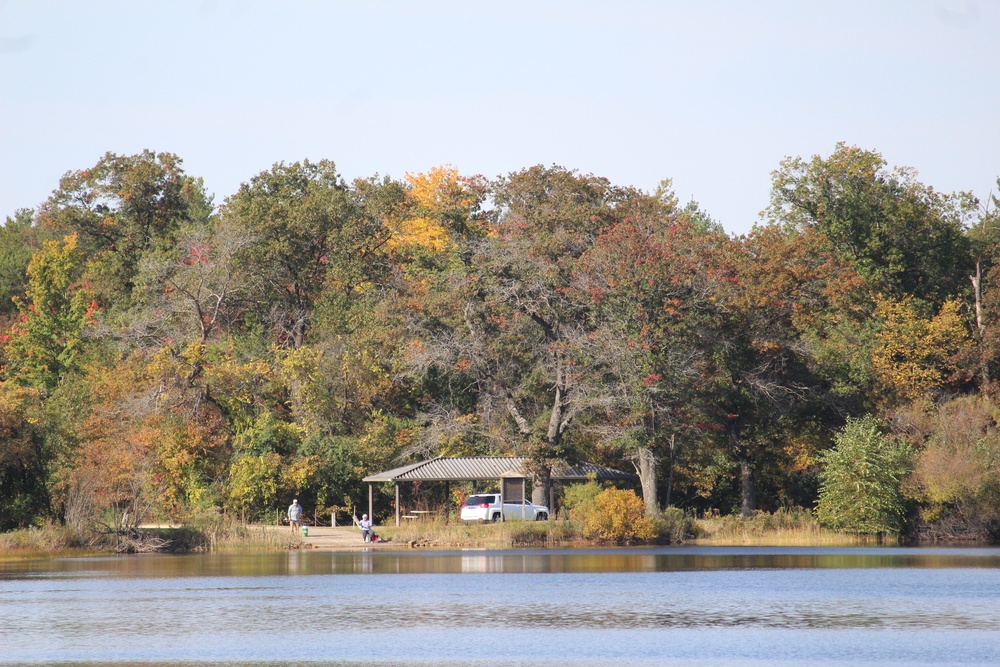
(305, 531)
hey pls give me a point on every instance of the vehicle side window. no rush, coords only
(476, 500)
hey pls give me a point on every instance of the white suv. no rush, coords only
(486, 507)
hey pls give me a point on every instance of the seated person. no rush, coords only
(366, 528)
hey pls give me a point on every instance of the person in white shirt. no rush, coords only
(366, 528)
(294, 514)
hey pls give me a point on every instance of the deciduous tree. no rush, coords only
(652, 278)
(898, 233)
(122, 207)
(524, 320)
(45, 344)
(311, 234)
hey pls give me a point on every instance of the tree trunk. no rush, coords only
(540, 489)
(980, 327)
(748, 489)
(647, 477)
(670, 471)
(748, 485)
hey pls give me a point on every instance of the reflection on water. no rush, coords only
(661, 559)
(722, 606)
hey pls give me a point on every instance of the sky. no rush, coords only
(711, 94)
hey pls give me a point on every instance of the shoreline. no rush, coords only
(432, 537)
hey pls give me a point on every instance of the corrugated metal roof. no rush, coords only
(581, 471)
(472, 468)
(390, 475)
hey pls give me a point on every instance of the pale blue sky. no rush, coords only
(711, 94)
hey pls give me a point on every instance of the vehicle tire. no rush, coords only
(541, 516)
(496, 518)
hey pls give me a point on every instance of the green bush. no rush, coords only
(675, 524)
(860, 481)
(578, 499)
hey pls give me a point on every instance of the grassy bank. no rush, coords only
(796, 527)
(439, 533)
(49, 537)
(222, 536)
(793, 527)
(217, 534)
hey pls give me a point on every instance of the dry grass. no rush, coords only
(224, 533)
(792, 527)
(256, 538)
(50, 537)
(217, 534)
(439, 533)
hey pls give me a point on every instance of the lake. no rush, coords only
(681, 605)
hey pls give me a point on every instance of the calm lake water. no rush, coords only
(626, 607)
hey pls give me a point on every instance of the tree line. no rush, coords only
(165, 357)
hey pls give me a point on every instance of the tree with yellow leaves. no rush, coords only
(913, 354)
(441, 202)
(46, 342)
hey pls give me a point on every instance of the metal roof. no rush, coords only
(472, 468)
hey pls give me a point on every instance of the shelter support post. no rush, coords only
(397, 504)
(447, 500)
(371, 503)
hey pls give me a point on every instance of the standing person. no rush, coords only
(366, 528)
(294, 513)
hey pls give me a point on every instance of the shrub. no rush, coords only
(578, 499)
(618, 516)
(860, 482)
(675, 524)
(956, 473)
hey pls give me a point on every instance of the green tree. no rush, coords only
(861, 480)
(122, 207)
(312, 235)
(24, 459)
(524, 321)
(984, 237)
(898, 233)
(780, 296)
(16, 248)
(45, 344)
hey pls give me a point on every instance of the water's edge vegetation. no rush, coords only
(763, 529)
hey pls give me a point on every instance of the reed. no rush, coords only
(444, 533)
(48, 537)
(786, 527)
(215, 533)
(219, 532)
